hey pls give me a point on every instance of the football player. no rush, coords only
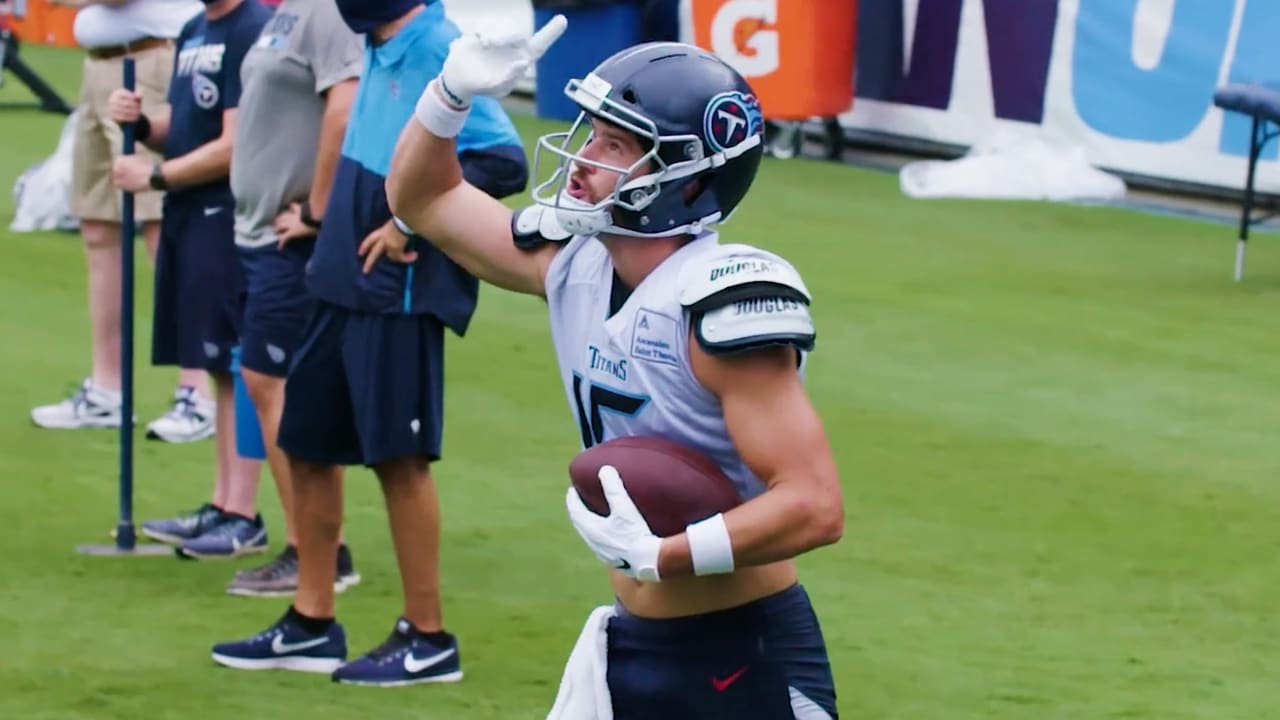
(659, 329)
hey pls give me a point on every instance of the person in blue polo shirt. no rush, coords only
(366, 384)
(198, 284)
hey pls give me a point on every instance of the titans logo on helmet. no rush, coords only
(731, 118)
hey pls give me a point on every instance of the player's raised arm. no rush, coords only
(425, 187)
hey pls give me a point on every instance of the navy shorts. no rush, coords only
(762, 661)
(199, 289)
(276, 305)
(364, 388)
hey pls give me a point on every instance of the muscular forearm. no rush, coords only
(423, 168)
(210, 161)
(332, 129)
(426, 189)
(778, 525)
(159, 130)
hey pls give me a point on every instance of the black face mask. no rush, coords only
(364, 16)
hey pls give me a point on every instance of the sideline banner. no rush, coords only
(1129, 81)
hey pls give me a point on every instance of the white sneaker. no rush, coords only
(89, 407)
(193, 417)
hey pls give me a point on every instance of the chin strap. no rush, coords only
(579, 217)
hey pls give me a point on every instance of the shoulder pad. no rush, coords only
(535, 226)
(716, 279)
(741, 302)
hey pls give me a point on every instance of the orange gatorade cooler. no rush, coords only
(28, 20)
(40, 22)
(797, 54)
(58, 23)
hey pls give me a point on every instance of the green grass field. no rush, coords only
(1056, 428)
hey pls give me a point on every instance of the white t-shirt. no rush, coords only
(100, 26)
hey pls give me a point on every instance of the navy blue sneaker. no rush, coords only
(286, 646)
(184, 527)
(405, 658)
(234, 537)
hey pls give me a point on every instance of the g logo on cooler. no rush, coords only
(743, 33)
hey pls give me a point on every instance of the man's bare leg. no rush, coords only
(413, 509)
(317, 503)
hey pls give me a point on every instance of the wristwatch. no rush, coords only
(157, 178)
(306, 217)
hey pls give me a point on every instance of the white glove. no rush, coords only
(622, 539)
(492, 65)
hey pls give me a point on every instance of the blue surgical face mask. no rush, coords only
(365, 16)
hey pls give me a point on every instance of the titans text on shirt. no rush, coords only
(206, 82)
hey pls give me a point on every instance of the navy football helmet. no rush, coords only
(699, 122)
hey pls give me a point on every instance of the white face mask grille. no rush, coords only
(637, 185)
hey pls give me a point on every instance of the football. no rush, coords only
(671, 484)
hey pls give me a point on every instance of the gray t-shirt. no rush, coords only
(303, 51)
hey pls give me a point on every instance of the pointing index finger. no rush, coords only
(547, 35)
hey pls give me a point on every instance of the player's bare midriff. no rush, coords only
(692, 595)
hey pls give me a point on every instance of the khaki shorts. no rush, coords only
(98, 140)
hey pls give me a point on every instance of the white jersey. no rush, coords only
(629, 374)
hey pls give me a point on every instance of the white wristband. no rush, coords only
(437, 116)
(710, 546)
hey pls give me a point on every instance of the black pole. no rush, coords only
(125, 538)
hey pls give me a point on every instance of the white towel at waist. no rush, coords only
(584, 687)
